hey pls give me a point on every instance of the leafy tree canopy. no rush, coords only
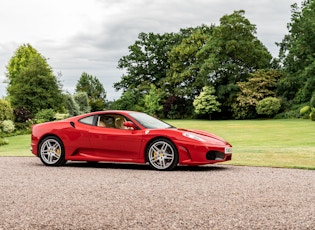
(32, 85)
(94, 89)
(260, 85)
(231, 54)
(297, 51)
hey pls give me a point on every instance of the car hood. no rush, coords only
(205, 134)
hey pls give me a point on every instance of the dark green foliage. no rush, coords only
(184, 78)
(230, 55)
(297, 54)
(177, 107)
(94, 89)
(32, 85)
(312, 114)
(45, 115)
(129, 101)
(312, 101)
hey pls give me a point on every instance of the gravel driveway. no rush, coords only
(122, 196)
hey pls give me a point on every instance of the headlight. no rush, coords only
(193, 136)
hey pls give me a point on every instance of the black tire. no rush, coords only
(51, 151)
(162, 154)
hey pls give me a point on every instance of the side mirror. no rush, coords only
(130, 125)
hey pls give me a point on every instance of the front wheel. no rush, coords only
(51, 151)
(162, 154)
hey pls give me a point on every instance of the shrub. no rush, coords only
(6, 111)
(23, 114)
(4, 141)
(268, 106)
(312, 101)
(312, 114)
(45, 115)
(305, 111)
(7, 126)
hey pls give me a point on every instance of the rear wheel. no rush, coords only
(162, 154)
(51, 151)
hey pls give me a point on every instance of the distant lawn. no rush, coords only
(18, 146)
(276, 143)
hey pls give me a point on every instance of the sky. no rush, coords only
(79, 36)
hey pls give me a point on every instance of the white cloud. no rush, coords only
(90, 36)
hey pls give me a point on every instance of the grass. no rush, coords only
(18, 146)
(276, 143)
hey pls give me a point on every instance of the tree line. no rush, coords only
(209, 71)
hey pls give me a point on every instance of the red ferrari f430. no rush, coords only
(125, 136)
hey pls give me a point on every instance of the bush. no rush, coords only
(45, 115)
(22, 115)
(288, 115)
(6, 111)
(7, 126)
(312, 115)
(312, 101)
(4, 141)
(305, 112)
(268, 106)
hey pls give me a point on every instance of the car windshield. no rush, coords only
(149, 122)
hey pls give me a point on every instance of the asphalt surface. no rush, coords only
(124, 196)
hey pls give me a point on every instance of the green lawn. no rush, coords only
(277, 143)
(18, 146)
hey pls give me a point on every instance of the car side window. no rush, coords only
(106, 121)
(87, 120)
(111, 121)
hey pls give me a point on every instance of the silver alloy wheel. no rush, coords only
(50, 151)
(161, 155)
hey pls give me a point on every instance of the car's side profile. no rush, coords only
(125, 136)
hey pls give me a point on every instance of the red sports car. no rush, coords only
(125, 136)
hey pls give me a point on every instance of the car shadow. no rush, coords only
(77, 164)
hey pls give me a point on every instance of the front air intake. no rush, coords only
(214, 155)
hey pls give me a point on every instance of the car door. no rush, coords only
(114, 143)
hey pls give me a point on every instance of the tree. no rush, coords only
(146, 62)
(206, 103)
(129, 101)
(151, 101)
(22, 57)
(183, 77)
(72, 106)
(82, 99)
(261, 84)
(297, 54)
(32, 85)
(94, 89)
(230, 55)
